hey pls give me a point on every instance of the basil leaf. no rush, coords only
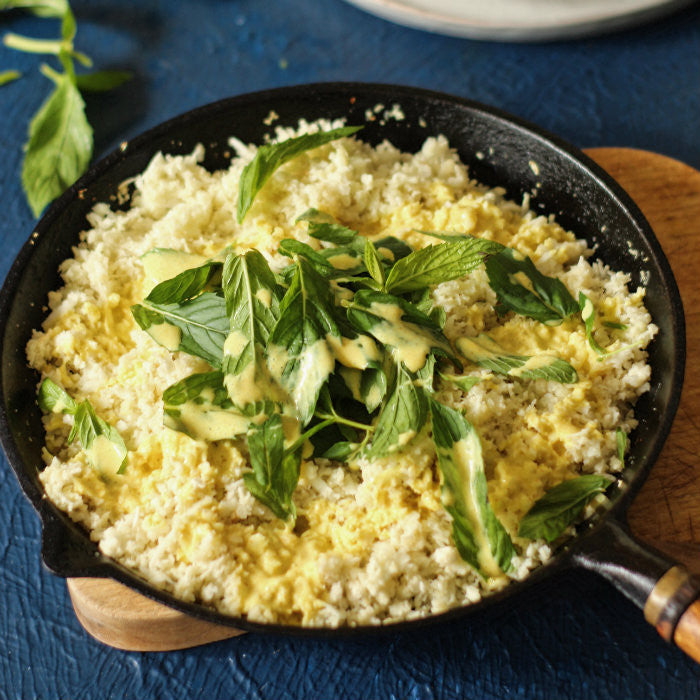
(373, 264)
(588, 318)
(522, 288)
(465, 383)
(486, 352)
(59, 147)
(200, 407)
(186, 285)
(102, 80)
(275, 472)
(7, 76)
(560, 507)
(252, 302)
(400, 325)
(402, 417)
(299, 355)
(271, 156)
(392, 249)
(438, 263)
(198, 327)
(621, 439)
(615, 325)
(479, 536)
(102, 444)
(341, 451)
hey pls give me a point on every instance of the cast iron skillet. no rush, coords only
(499, 150)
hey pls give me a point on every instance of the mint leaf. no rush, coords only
(198, 326)
(325, 228)
(560, 507)
(59, 147)
(373, 263)
(402, 417)
(275, 472)
(252, 302)
(102, 444)
(465, 383)
(200, 407)
(102, 80)
(479, 536)
(185, 285)
(588, 318)
(486, 352)
(299, 355)
(400, 325)
(621, 439)
(271, 156)
(438, 263)
(522, 288)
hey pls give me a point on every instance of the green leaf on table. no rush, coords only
(299, 354)
(560, 507)
(59, 147)
(402, 416)
(479, 536)
(198, 326)
(438, 263)
(102, 80)
(102, 444)
(482, 350)
(397, 323)
(522, 288)
(275, 471)
(271, 156)
(200, 407)
(7, 76)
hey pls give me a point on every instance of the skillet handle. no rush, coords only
(667, 592)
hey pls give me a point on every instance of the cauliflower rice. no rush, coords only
(377, 545)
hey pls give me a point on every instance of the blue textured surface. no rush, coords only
(576, 638)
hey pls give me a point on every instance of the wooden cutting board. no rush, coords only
(666, 513)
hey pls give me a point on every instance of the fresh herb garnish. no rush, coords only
(560, 507)
(272, 156)
(60, 138)
(465, 383)
(486, 352)
(7, 76)
(275, 470)
(522, 288)
(438, 263)
(588, 318)
(480, 537)
(102, 444)
(621, 440)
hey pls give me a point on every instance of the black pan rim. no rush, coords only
(108, 568)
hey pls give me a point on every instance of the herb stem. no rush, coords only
(308, 434)
(7, 76)
(30, 45)
(344, 421)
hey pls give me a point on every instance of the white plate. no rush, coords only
(519, 20)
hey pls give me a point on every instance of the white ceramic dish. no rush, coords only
(520, 20)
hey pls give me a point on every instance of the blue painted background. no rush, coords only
(575, 638)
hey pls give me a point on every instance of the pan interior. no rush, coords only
(498, 151)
